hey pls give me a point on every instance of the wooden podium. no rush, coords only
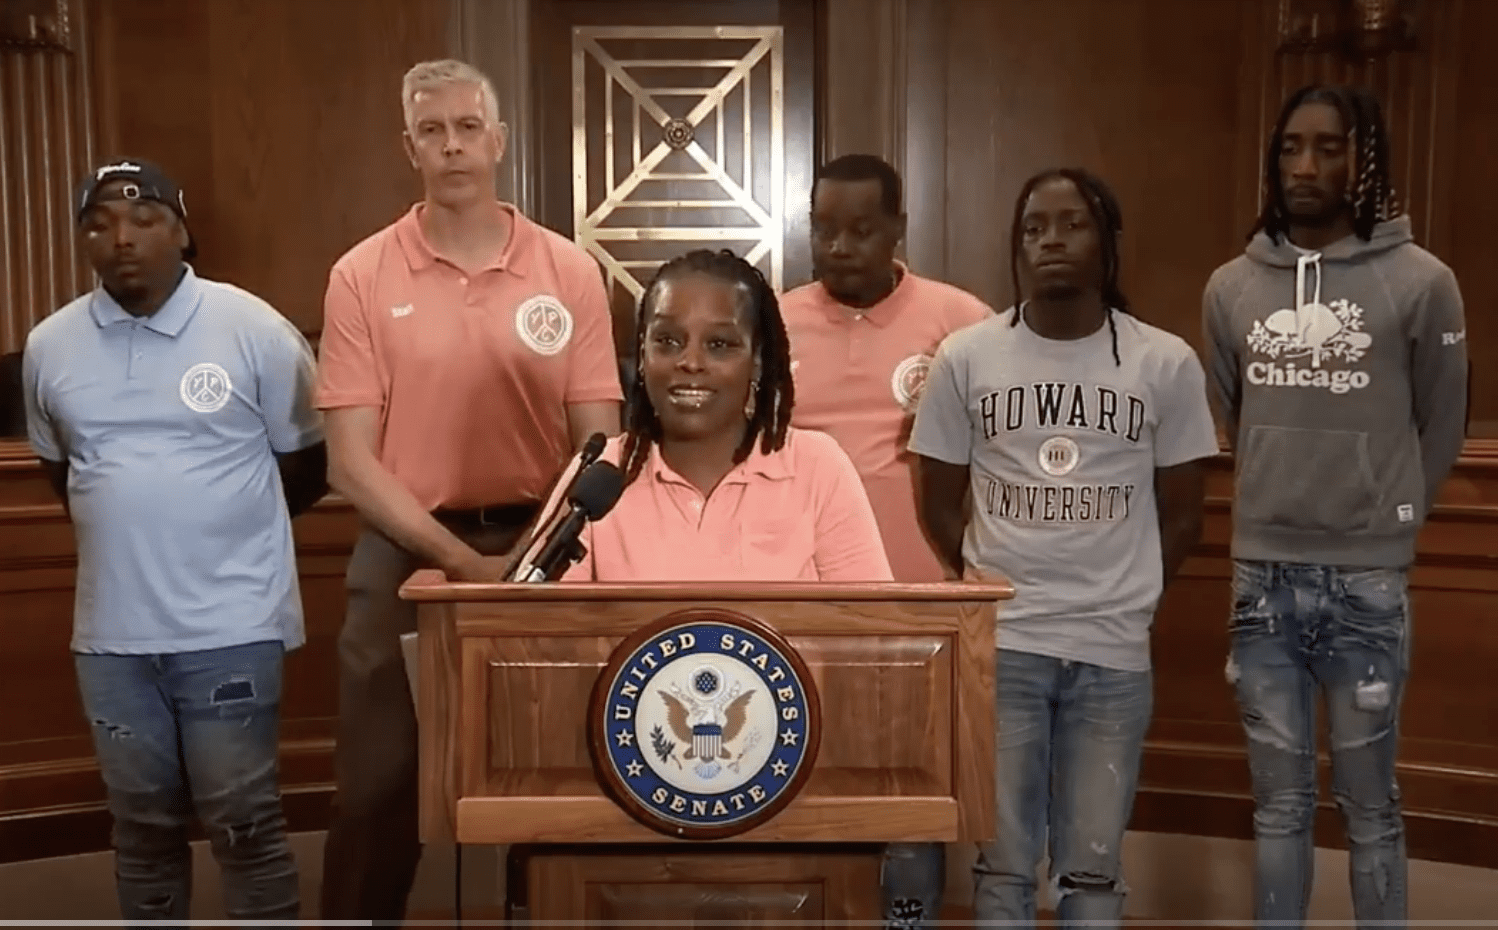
(616, 737)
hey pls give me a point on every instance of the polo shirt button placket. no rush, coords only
(132, 354)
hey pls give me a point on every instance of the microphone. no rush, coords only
(547, 520)
(594, 493)
(591, 450)
(589, 454)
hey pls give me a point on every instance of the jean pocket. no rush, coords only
(1375, 594)
(1252, 582)
(1375, 612)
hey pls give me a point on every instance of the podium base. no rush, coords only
(711, 884)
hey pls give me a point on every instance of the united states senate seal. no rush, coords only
(704, 724)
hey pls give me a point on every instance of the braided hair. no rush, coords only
(1107, 217)
(1370, 192)
(773, 394)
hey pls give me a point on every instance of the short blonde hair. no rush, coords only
(428, 75)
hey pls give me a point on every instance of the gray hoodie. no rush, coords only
(1341, 377)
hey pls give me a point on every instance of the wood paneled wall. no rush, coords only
(47, 138)
(1172, 101)
(281, 119)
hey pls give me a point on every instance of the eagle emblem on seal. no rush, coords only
(708, 719)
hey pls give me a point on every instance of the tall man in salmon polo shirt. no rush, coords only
(862, 336)
(466, 353)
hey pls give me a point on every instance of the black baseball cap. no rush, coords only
(143, 181)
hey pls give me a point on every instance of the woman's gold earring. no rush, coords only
(749, 407)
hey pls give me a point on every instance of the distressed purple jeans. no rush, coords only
(1297, 630)
(193, 732)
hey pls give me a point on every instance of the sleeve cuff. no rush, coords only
(332, 400)
(595, 395)
(940, 455)
(297, 441)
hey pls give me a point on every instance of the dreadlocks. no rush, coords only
(1108, 219)
(1370, 192)
(772, 395)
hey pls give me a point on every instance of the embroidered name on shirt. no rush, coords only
(1062, 405)
(402, 310)
(1451, 339)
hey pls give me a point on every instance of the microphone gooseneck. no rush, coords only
(594, 493)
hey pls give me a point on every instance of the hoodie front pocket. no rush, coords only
(1303, 479)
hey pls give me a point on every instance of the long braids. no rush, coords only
(1107, 216)
(773, 395)
(1370, 192)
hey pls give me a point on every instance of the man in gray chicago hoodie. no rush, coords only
(1337, 357)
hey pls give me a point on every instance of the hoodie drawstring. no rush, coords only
(1303, 316)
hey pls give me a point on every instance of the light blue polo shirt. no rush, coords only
(170, 426)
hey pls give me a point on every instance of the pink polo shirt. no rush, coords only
(799, 514)
(858, 379)
(472, 374)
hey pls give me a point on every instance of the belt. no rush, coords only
(504, 516)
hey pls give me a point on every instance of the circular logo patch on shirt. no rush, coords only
(909, 380)
(704, 724)
(1059, 455)
(543, 324)
(205, 388)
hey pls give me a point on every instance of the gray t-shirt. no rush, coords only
(1063, 444)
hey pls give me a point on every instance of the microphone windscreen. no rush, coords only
(598, 489)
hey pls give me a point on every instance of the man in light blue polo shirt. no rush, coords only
(174, 418)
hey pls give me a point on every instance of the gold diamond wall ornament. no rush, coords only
(678, 143)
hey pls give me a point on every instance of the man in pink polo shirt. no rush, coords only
(862, 336)
(466, 353)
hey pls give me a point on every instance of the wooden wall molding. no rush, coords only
(37, 24)
(863, 108)
(1416, 87)
(1194, 778)
(51, 795)
(495, 38)
(47, 144)
(884, 91)
(966, 97)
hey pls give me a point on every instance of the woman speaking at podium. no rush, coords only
(718, 486)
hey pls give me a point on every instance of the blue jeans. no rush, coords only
(912, 876)
(1069, 745)
(1297, 629)
(191, 731)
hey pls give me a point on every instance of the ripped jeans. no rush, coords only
(189, 732)
(1297, 629)
(1069, 744)
(912, 877)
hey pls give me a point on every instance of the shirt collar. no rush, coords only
(420, 255)
(881, 314)
(168, 320)
(776, 466)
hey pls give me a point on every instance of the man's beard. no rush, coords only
(1325, 217)
(1058, 291)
